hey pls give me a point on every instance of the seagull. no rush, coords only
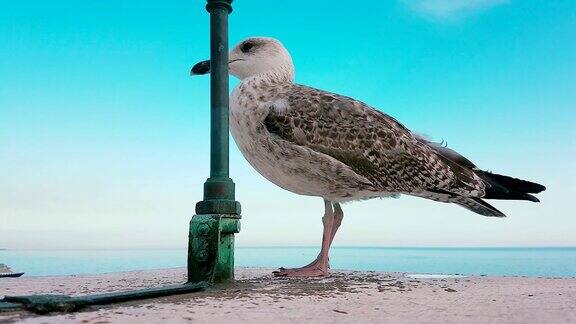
(317, 143)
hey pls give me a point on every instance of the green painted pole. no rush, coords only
(212, 229)
(219, 11)
(219, 197)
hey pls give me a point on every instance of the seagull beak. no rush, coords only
(201, 68)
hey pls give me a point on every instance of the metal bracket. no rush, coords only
(211, 247)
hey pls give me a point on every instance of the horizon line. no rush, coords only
(306, 247)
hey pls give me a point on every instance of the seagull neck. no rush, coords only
(280, 75)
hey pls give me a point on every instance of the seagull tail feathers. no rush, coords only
(478, 206)
(508, 188)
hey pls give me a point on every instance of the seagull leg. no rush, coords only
(338, 216)
(318, 267)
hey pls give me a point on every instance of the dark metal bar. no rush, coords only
(43, 304)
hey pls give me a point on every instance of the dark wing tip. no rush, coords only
(539, 188)
(529, 197)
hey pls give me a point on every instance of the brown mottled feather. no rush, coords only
(373, 144)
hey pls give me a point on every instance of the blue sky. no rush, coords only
(104, 135)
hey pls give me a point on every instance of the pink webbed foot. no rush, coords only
(319, 267)
(311, 270)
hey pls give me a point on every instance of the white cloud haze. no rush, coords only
(445, 9)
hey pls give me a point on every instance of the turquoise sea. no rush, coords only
(533, 262)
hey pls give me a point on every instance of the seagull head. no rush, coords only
(254, 56)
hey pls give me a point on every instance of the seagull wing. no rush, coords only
(371, 143)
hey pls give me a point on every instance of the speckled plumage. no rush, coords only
(313, 142)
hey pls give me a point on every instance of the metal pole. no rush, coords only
(219, 197)
(219, 11)
(212, 229)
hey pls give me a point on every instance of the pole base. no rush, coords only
(211, 247)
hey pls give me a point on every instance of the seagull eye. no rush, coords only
(246, 47)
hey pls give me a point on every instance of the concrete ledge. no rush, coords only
(345, 297)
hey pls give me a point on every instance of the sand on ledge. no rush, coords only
(345, 297)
